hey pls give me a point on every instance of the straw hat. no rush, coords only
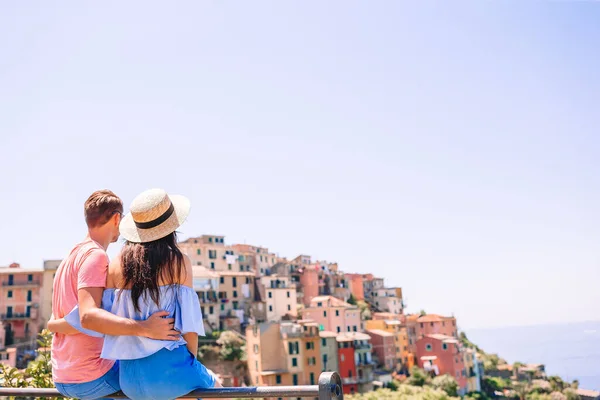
(153, 215)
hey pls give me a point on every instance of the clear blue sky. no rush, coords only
(453, 150)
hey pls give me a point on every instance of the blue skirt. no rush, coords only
(165, 375)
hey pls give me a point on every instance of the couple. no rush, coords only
(131, 324)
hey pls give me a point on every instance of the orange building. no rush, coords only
(355, 283)
(309, 284)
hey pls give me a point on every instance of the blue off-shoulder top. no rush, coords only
(181, 302)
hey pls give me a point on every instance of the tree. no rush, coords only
(422, 313)
(352, 300)
(232, 347)
(38, 373)
(571, 394)
(446, 383)
(418, 377)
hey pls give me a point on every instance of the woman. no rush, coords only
(151, 274)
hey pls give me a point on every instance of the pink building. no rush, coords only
(333, 314)
(384, 347)
(355, 283)
(20, 295)
(443, 355)
(432, 324)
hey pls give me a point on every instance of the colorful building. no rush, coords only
(347, 364)
(254, 258)
(387, 300)
(206, 285)
(210, 251)
(20, 297)
(444, 355)
(280, 297)
(333, 314)
(384, 348)
(432, 324)
(283, 353)
(355, 283)
(50, 267)
(329, 351)
(235, 297)
(473, 372)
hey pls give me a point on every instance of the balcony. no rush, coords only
(350, 381)
(18, 316)
(34, 282)
(362, 346)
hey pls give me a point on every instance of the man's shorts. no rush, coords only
(104, 386)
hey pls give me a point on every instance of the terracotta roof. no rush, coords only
(334, 301)
(433, 318)
(380, 332)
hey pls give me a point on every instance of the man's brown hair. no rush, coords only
(100, 207)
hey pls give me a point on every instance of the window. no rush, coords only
(431, 324)
(294, 362)
(323, 342)
(234, 294)
(295, 379)
(444, 346)
(270, 308)
(209, 240)
(348, 328)
(222, 307)
(211, 310)
(247, 279)
(278, 379)
(212, 254)
(325, 313)
(29, 295)
(270, 295)
(312, 378)
(9, 294)
(256, 351)
(428, 347)
(256, 365)
(212, 265)
(222, 280)
(288, 295)
(343, 358)
(234, 279)
(324, 358)
(319, 304)
(29, 277)
(229, 267)
(339, 329)
(235, 305)
(354, 328)
(421, 325)
(289, 307)
(337, 313)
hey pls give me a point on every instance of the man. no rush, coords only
(77, 368)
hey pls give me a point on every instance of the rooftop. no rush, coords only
(380, 332)
(335, 302)
(235, 273)
(351, 336)
(443, 338)
(588, 393)
(15, 268)
(328, 334)
(203, 272)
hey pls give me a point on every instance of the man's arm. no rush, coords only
(93, 317)
(61, 326)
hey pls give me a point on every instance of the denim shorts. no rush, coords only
(104, 386)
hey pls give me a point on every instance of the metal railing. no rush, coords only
(35, 282)
(329, 388)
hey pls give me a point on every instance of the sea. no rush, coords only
(571, 351)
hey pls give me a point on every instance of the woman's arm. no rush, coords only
(187, 279)
(61, 326)
(192, 342)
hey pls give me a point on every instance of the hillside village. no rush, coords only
(292, 319)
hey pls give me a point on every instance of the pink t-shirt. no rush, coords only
(76, 358)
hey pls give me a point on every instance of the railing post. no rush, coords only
(330, 386)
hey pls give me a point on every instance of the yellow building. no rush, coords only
(50, 267)
(283, 353)
(210, 251)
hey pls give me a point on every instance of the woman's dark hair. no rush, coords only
(145, 265)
